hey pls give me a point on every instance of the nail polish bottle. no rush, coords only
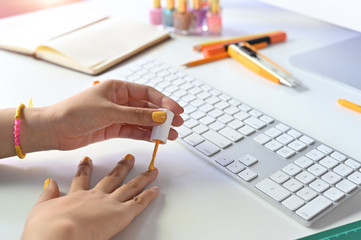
(199, 15)
(182, 19)
(161, 132)
(160, 135)
(214, 18)
(155, 14)
(167, 15)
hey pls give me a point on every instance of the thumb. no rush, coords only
(51, 190)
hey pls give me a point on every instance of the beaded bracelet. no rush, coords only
(17, 129)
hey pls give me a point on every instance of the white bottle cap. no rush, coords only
(161, 132)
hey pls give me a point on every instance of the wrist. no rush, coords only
(36, 130)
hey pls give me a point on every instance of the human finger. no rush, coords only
(146, 93)
(51, 190)
(137, 204)
(117, 175)
(81, 180)
(135, 186)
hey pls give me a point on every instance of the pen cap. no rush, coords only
(161, 132)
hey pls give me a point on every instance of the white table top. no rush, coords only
(196, 201)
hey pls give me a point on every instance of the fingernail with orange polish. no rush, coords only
(129, 156)
(159, 116)
(86, 159)
(46, 183)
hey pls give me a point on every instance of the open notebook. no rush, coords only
(88, 43)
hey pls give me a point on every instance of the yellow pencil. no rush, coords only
(349, 105)
(199, 47)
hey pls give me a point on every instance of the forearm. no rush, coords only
(35, 131)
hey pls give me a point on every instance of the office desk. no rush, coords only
(196, 200)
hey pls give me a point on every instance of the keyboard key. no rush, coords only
(200, 129)
(293, 203)
(236, 167)
(315, 155)
(225, 118)
(217, 139)
(248, 160)
(297, 145)
(331, 177)
(325, 149)
(208, 148)
(338, 156)
(352, 163)
(247, 175)
(307, 193)
(314, 207)
(244, 107)
(328, 162)
(194, 139)
(279, 177)
(346, 186)
(284, 139)
(235, 124)
(241, 115)
(305, 177)
(262, 138)
(282, 127)
(317, 169)
(231, 110)
(343, 170)
(255, 113)
(224, 160)
(307, 140)
(266, 119)
(183, 131)
(304, 162)
(334, 194)
(355, 177)
(231, 134)
(319, 185)
(216, 126)
(207, 120)
(191, 123)
(293, 185)
(294, 133)
(246, 130)
(285, 152)
(255, 122)
(272, 189)
(273, 132)
(291, 169)
(273, 145)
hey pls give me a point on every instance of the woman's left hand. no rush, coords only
(97, 213)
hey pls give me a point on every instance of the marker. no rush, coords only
(259, 43)
(200, 47)
(349, 105)
(247, 55)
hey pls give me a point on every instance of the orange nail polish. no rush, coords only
(86, 159)
(159, 116)
(129, 156)
(46, 183)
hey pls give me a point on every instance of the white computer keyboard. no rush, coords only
(298, 174)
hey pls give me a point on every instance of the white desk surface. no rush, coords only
(196, 200)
